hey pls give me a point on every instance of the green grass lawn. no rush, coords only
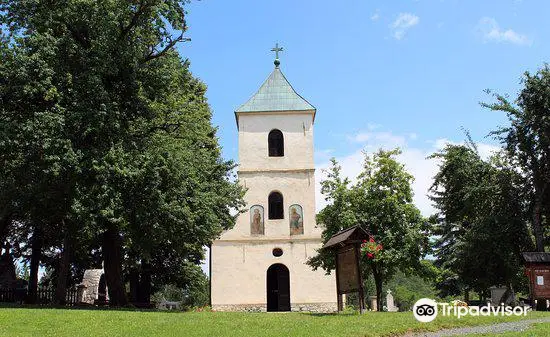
(63, 322)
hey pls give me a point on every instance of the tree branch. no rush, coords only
(171, 43)
(133, 22)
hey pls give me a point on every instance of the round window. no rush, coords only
(277, 252)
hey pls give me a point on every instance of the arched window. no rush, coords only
(276, 206)
(276, 143)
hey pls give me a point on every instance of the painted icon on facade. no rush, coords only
(296, 220)
(257, 220)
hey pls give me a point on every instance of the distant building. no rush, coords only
(259, 265)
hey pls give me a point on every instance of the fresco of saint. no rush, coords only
(296, 220)
(257, 220)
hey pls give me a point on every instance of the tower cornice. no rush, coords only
(271, 170)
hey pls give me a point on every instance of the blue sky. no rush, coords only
(380, 73)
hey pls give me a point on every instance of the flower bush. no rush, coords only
(371, 248)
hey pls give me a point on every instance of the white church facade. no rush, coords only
(260, 264)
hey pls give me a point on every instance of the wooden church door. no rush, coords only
(278, 288)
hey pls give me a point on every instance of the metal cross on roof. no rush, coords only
(277, 50)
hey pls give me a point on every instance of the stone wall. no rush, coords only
(240, 307)
(89, 286)
(295, 307)
(314, 307)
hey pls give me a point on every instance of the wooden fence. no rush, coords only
(43, 295)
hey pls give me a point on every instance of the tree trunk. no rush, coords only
(378, 284)
(5, 221)
(36, 252)
(145, 283)
(112, 258)
(134, 286)
(537, 225)
(63, 270)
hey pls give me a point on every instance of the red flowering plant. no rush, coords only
(370, 248)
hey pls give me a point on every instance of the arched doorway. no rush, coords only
(278, 288)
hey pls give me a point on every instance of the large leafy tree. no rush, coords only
(381, 201)
(480, 225)
(336, 215)
(37, 159)
(108, 135)
(527, 144)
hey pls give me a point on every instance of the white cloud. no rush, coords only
(375, 17)
(491, 31)
(487, 150)
(373, 126)
(441, 142)
(414, 159)
(323, 155)
(378, 139)
(403, 23)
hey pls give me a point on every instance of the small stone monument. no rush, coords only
(168, 305)
(93, 288)
(373, 303)
(390, 303)
(496, 295)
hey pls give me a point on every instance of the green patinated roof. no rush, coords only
(276, 94)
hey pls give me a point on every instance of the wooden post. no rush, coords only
(531, 277)
(360, 285)
(338, 295)
(340, 303)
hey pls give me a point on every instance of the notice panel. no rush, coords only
(348, 275)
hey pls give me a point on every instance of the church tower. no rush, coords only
(260, 264)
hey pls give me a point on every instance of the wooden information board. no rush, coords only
(348, 275)
(345, 245)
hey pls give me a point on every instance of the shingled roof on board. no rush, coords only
(536, 257)
(353, 233)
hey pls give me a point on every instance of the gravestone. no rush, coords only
(373, 303)
(169, 305)
(496, 295)
(390, 303)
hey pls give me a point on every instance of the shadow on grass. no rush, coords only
(4, 305)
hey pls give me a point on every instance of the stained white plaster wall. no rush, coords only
(240, 272)
(297, 129)
(296, 188)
